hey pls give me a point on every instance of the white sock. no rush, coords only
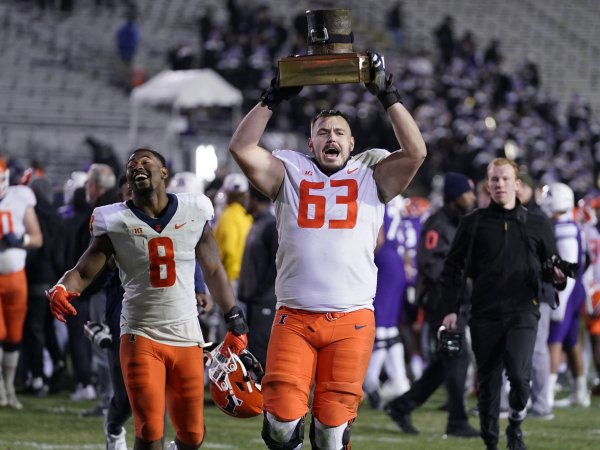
(552, 379)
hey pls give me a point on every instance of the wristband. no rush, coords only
(388, 98)
(235, 321)
(26, 240)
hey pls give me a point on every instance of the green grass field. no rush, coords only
(53, 423)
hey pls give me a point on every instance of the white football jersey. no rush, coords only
(12, 215)
(328, 228)
(156, 260)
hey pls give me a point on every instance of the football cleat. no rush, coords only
(235, 382)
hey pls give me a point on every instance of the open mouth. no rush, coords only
(140, 177)
(331, 152)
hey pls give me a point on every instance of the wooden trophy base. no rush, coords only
(335, 68)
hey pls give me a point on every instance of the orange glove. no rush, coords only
(60, 302)
(234, 344)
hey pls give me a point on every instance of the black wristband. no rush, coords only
(388, 98)
(269, 99)
(235, 321)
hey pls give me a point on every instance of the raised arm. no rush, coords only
(394, 173)
(263, 170)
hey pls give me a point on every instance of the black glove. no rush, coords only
(274, 94)
(382, 86)
(11, 240)
(235, 321)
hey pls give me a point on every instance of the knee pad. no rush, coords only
(323, 437)
(272, 426)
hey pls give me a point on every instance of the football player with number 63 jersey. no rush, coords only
(155, 239)
(329, 208)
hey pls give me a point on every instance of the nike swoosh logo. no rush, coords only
(179, 225)
(350, 171)
(358, 327)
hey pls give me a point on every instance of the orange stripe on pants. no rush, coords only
(331, 349)
(156, 374)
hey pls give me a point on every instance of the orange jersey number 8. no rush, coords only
(318, 202)
(162, 262)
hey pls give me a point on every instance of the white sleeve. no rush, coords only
(568, 250)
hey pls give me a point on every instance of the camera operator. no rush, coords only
(502, 249)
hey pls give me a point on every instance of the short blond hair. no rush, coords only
(503, 162)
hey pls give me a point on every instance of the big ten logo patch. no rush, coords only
(136, 230)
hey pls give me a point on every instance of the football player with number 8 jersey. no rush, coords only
(155, 239)
(329, 208)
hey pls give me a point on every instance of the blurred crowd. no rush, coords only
(469, 108)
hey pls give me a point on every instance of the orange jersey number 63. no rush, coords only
(318, 202)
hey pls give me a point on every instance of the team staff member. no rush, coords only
(329, 208)
(19, 230)
(155, 239)
(436, 238)
(502, 248)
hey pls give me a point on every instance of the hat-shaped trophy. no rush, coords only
(330, 58)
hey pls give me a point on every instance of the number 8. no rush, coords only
(162, 266)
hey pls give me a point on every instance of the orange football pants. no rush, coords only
(592, 324)
(156, 373)
(330, 349)
(13, 306)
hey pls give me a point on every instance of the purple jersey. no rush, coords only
(571, 248)
(391, 274)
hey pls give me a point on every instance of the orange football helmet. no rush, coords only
(416, 206)
(235, 383)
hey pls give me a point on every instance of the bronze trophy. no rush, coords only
(330, 58)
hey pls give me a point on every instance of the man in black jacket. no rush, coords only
(436, 237)
(256, 287)
(502, 248)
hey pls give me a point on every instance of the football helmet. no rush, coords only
(416, 206)
(185, 182)
(4, 178)
(235, 382)
(31, 174)
(557, 198)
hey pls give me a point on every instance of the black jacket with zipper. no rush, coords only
(502, 251)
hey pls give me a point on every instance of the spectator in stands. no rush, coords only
(181, 55)
(395, 23)
(128, 37)
(444, 36)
